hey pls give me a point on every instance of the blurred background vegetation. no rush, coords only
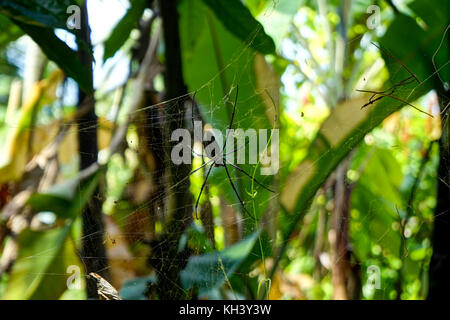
(89, 96)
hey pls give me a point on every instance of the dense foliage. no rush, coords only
(359, 91)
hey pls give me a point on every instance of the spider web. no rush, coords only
(218, 188)
(131, 213)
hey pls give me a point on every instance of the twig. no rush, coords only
(393, 97)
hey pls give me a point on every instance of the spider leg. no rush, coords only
(192, 108)
(203, 165)
(388, 92)
(244, 172)
(398, 99)
(371, 101)
(232, 118)
(237, 193)
(237, 149)
(372, 97)
(234, 107)
(201, 189)
(406, 81)
(403, 82)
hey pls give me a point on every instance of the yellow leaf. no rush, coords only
(267, 79)
(20, 143)
(68, 147)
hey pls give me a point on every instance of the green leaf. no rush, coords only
(209, 271)
(192, 24)
(42, 263)
(416, 48)
(10, 32)
(48, 202)
(66, 199)
(239, 21)
(348, 123)
(122, 30)
(277, 17)
(419, 254)
(60, 53)
(341, 132)
(213, 70)
(375, 197)
(50, 13)
(6, 68)
(383, 176)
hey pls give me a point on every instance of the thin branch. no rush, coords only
(393, 97)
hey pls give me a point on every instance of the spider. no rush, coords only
(215, 163)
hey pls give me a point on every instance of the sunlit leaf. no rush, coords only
(17, 144)
(214, 71)
(342, 131)
(239, 21)
(39, 272)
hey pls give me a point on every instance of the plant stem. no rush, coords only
(170, 260)
(93, 252)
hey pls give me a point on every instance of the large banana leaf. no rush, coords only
(239, 21)
(214, 62)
